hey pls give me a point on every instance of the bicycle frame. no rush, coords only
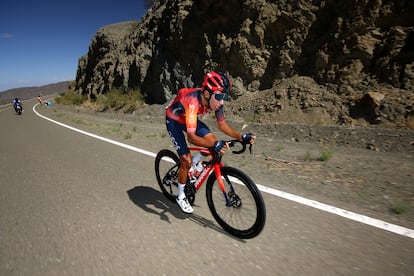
(241, 220)
(215, 165)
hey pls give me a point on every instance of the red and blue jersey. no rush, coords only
(186, 107)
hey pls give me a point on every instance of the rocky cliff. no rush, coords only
(350, 58)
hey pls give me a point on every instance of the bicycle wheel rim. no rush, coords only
(166, 169)
(244, 221)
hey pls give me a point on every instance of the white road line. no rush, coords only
(96, 136)
(400, 230)
(403, 231)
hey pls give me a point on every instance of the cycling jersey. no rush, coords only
(182, 116)
(186, 107)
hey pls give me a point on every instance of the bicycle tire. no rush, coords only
(246, 220)
(167, 164)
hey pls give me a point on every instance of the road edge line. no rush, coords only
(400, 230)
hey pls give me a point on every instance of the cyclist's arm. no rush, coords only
(224, 127)
(206, 141)
(228, 130)
(191, 110)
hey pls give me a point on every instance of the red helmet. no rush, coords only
(216, 82)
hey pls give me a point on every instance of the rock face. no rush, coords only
(348, 48)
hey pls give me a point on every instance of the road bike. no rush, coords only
(232, 196)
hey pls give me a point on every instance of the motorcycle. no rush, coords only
(19, 108)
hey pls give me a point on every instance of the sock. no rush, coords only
(181, 193)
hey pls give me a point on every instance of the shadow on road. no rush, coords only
(151, 201)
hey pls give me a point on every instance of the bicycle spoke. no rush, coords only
(239, 210)
(166, 167)
(241, 217)
(245, 216)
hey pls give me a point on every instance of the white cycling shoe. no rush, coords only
(185, 205)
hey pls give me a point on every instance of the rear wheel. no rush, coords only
(167, 164)
(244, 215)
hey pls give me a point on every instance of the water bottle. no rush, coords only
(195, 169)
(198, 169)
(191, 174)
(196, 158)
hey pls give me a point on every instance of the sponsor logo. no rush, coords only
(173, 141)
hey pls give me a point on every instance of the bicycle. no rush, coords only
(235, 202)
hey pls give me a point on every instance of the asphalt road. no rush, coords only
(74, 205)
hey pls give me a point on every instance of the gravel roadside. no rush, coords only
(369, 171)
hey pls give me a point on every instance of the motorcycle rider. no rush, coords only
(16, 102)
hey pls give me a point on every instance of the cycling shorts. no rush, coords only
(177, 131)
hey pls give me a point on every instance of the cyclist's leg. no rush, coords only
(176, 133)
(177, 137)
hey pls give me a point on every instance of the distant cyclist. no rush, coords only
(39, 99)
(16, 102)
(182, 117)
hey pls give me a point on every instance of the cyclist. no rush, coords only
(39, 99)
(182, 117)
(16, 101)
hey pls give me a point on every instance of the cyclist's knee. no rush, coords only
(185, 161)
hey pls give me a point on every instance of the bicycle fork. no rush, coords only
(234, 200)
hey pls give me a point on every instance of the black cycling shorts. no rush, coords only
(177, 134)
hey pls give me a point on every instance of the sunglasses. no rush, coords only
(221, 96)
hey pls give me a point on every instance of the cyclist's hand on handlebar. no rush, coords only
(220, 146)
(248, 138)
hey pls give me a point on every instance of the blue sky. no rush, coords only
(41, 41)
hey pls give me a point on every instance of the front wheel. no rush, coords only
(243, 214)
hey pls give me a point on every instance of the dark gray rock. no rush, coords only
(347, 47)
